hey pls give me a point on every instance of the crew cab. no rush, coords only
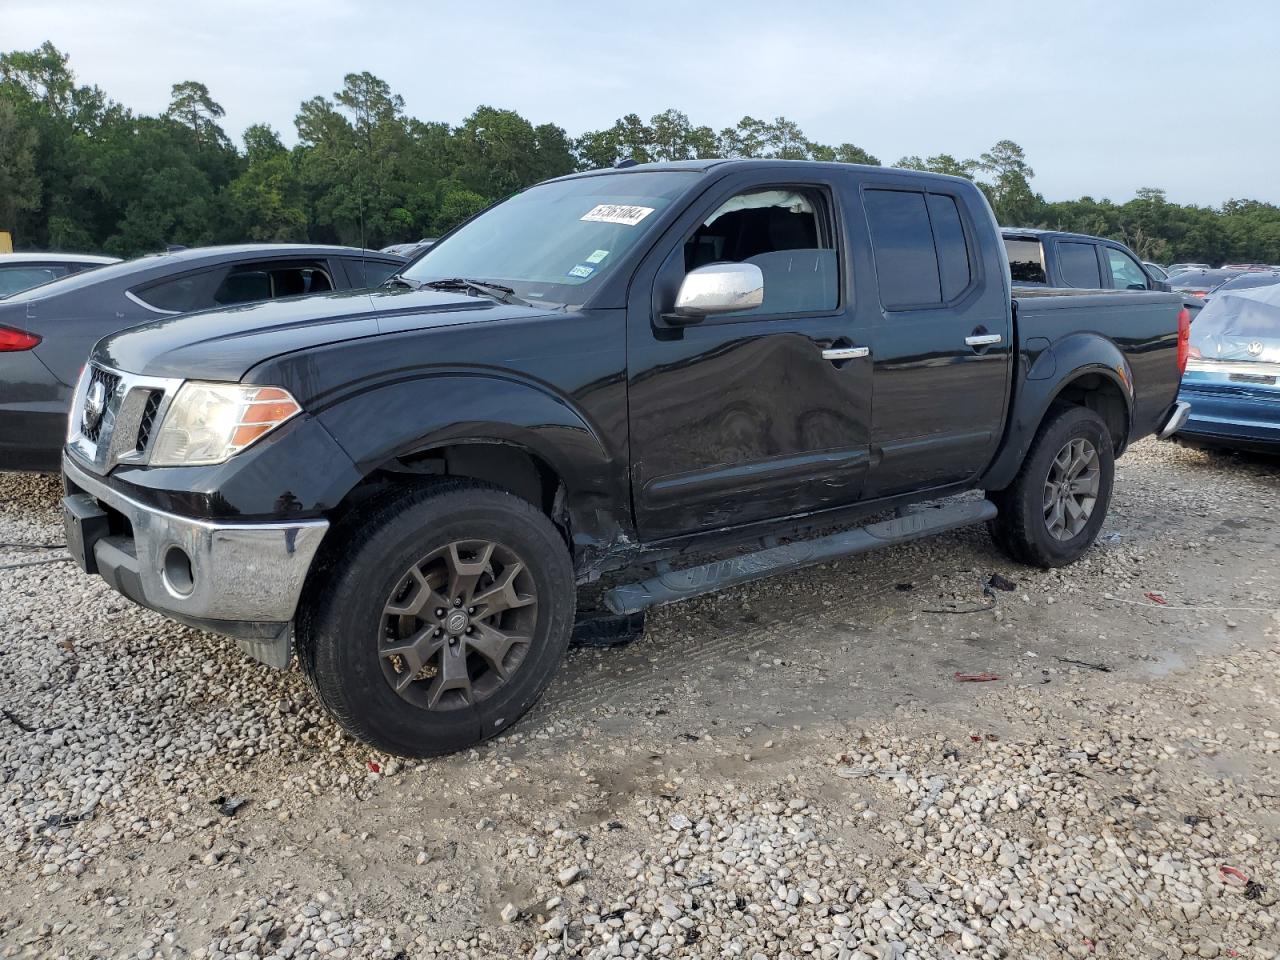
(615, 373)
(1054, 258)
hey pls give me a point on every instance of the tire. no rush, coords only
(351, 622)
(1025, 528)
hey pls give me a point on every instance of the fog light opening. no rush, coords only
(178, 576)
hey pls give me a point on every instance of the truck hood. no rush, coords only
(224, 344)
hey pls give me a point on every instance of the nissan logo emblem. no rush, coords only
(95, 401)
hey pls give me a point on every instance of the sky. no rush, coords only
(1105, 96)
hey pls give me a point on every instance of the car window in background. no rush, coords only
(1156, 270)
(179, 295)
(786, 232)
(252, 282)
(902, 245)
(18, 278)
(1126, 274)
(1079, 262)
(1026, 260)
(370, 273)
(87, 278)
(1247, 280)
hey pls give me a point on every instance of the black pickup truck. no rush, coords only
(767, 363)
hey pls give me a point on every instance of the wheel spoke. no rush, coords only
(452, 675)
(465, 574)
(502, 595)
(422, 601)
(415, 651)
(494, 645)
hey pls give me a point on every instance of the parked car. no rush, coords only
(602, 372)
(1056, 259)
(410, 250)
(1201, 283)
(46, 332)
(1249, 267)
(1245, 281)
(22, 271)
(1175, 268)
(1233, 377)
(1156, 271)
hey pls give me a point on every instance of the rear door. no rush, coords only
(741, 417)
(939, 312)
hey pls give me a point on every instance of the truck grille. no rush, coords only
(148, 420)
(102, 386)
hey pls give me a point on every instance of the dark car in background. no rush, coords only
(1232, 379)
(46, 332)
(1201, 283)
(1052, 258)
(1176, 268)
(22, 271)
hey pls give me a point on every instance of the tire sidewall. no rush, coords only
(1074, 423)
(346, 636)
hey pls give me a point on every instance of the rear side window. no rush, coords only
(178, 295)
(1026, 260)
(902, 244)
(253, 282)
(921, 253)
(1079, 262)
(953, 249)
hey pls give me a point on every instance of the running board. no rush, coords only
(672, 585)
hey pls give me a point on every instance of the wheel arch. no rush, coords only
(1092, 372)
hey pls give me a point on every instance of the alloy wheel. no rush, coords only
(1071, 488)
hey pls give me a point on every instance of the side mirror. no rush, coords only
(718, 288)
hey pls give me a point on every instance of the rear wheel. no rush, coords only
(1053, 510)
(440, 619)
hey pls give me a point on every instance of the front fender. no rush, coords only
(1054, 370)
(412, 416)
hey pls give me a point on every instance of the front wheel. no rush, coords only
(440, 619)
(1053, 510)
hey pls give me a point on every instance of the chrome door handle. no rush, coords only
(983, 339)
(845, 353)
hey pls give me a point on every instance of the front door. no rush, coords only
(940, 339)
(740, 417)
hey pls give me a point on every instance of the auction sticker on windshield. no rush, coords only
(617, 213)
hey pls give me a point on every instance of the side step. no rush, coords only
(674, 585)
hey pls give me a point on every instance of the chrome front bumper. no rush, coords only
(1177, 420)
(244, 579)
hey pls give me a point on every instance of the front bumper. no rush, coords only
(240, 579)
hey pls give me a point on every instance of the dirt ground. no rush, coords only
(786, 769)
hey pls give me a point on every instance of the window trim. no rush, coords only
(826, 189)
(924, 190)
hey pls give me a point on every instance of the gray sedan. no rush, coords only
(46, 332)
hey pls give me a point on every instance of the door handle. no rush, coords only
(845, 353)
(983, 339)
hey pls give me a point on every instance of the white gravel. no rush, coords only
(786, 770)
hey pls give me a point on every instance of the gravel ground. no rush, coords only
(789, 769)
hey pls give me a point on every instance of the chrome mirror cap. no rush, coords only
(720, 288)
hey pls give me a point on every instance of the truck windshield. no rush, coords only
(553, 242)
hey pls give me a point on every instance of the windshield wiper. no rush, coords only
(396, 280)
(496, 290)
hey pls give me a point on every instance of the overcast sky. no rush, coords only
(1106, 96)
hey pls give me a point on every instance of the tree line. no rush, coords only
(79, 171)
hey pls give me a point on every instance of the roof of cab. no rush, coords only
(723, 165)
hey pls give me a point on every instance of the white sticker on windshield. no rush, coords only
(597, 256)
(617, 213)
(582, 270)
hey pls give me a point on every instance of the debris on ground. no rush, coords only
(975, 677)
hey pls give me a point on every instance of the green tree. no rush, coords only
(191, 105)
(19, 183)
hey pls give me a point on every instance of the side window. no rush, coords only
(178, 295)
(1026, 260)
(1079, 262)
(949, 240)
(253, 282)
(1125, 272)
(787, 233)
(370, 273)
(902, 244)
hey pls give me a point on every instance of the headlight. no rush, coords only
(208, 422)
